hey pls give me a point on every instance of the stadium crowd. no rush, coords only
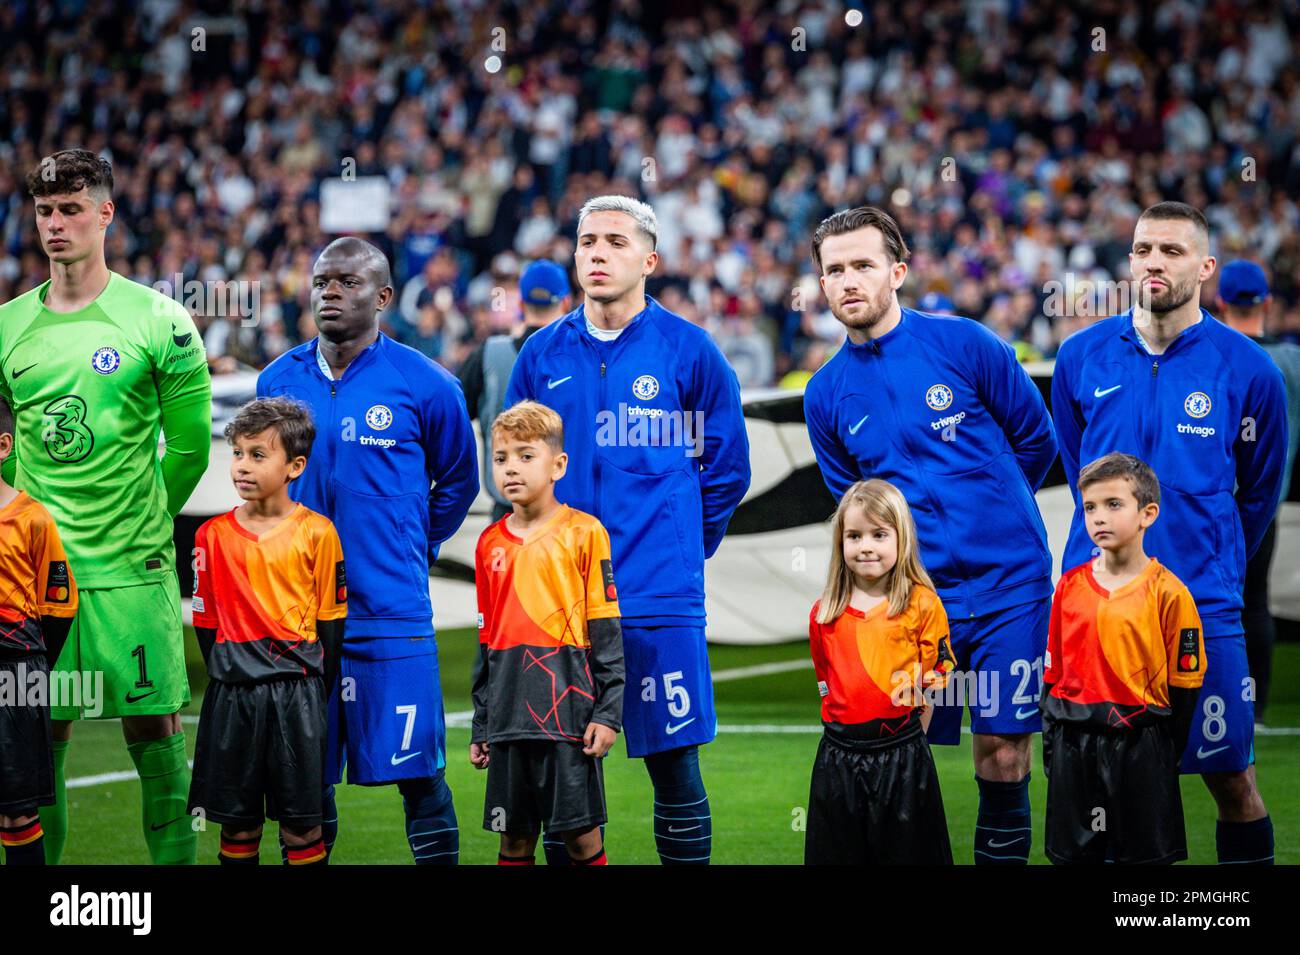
(1016, 142)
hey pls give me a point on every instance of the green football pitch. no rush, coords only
(757, 774)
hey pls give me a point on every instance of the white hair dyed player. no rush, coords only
(666, 504)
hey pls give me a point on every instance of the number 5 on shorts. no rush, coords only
(679, 701)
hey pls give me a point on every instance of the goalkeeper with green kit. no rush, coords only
(95, 367)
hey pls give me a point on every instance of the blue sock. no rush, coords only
(431, 826)
(1245, 843)
(682, 823)
(555, 851)
(553, 848)
(329, 819)
(1003, 833)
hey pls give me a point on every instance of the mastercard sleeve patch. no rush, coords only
(58, 590)
(945, 662)
(1188, 659)
(607, 573)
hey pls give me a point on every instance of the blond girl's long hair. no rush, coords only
(884, 504)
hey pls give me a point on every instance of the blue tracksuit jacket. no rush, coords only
(394, 423)
(657, 448)
(940, 408)
(1209, 416)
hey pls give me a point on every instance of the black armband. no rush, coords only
(330, 635)
(207, 640)
(54, 631)
(607, 671)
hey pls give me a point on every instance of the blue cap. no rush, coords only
(935, 302)
(543, 283)
(1242, 283)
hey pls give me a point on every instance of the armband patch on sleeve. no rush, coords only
(1189, 660)
(607, 572)
(59, 589)
(945, 663)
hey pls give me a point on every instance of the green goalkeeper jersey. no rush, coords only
(91, 391)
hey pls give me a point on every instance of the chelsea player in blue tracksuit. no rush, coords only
(389, 422)
(940, 407)
(656, 440)
(1206, 408)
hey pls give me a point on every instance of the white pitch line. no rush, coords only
(101, 779)
(810, 728)
(462, 719)
(769, 728)
(762, 669)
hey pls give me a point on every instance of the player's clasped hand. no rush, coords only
(598, 739)
(478, 755)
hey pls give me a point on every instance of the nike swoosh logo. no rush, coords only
(1003, 845)
(181, 340)
(18, 374)
(682, 828)
(552, 384)
(398, 762)
(136, 699)
(1024, 715)
(1202, 754)
(1099, 393)
(158, 828)
(854, 428)
(670, 729)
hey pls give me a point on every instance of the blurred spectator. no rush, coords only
(813, 357)
(1015, 154)
(427, 335)
(746, 346)
(546, 295)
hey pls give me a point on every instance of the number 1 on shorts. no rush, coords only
(144, 680)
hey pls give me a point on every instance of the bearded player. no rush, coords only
(95, 366)
(939, 406)
(1206, 408)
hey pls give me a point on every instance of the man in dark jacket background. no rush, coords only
(544, 289)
